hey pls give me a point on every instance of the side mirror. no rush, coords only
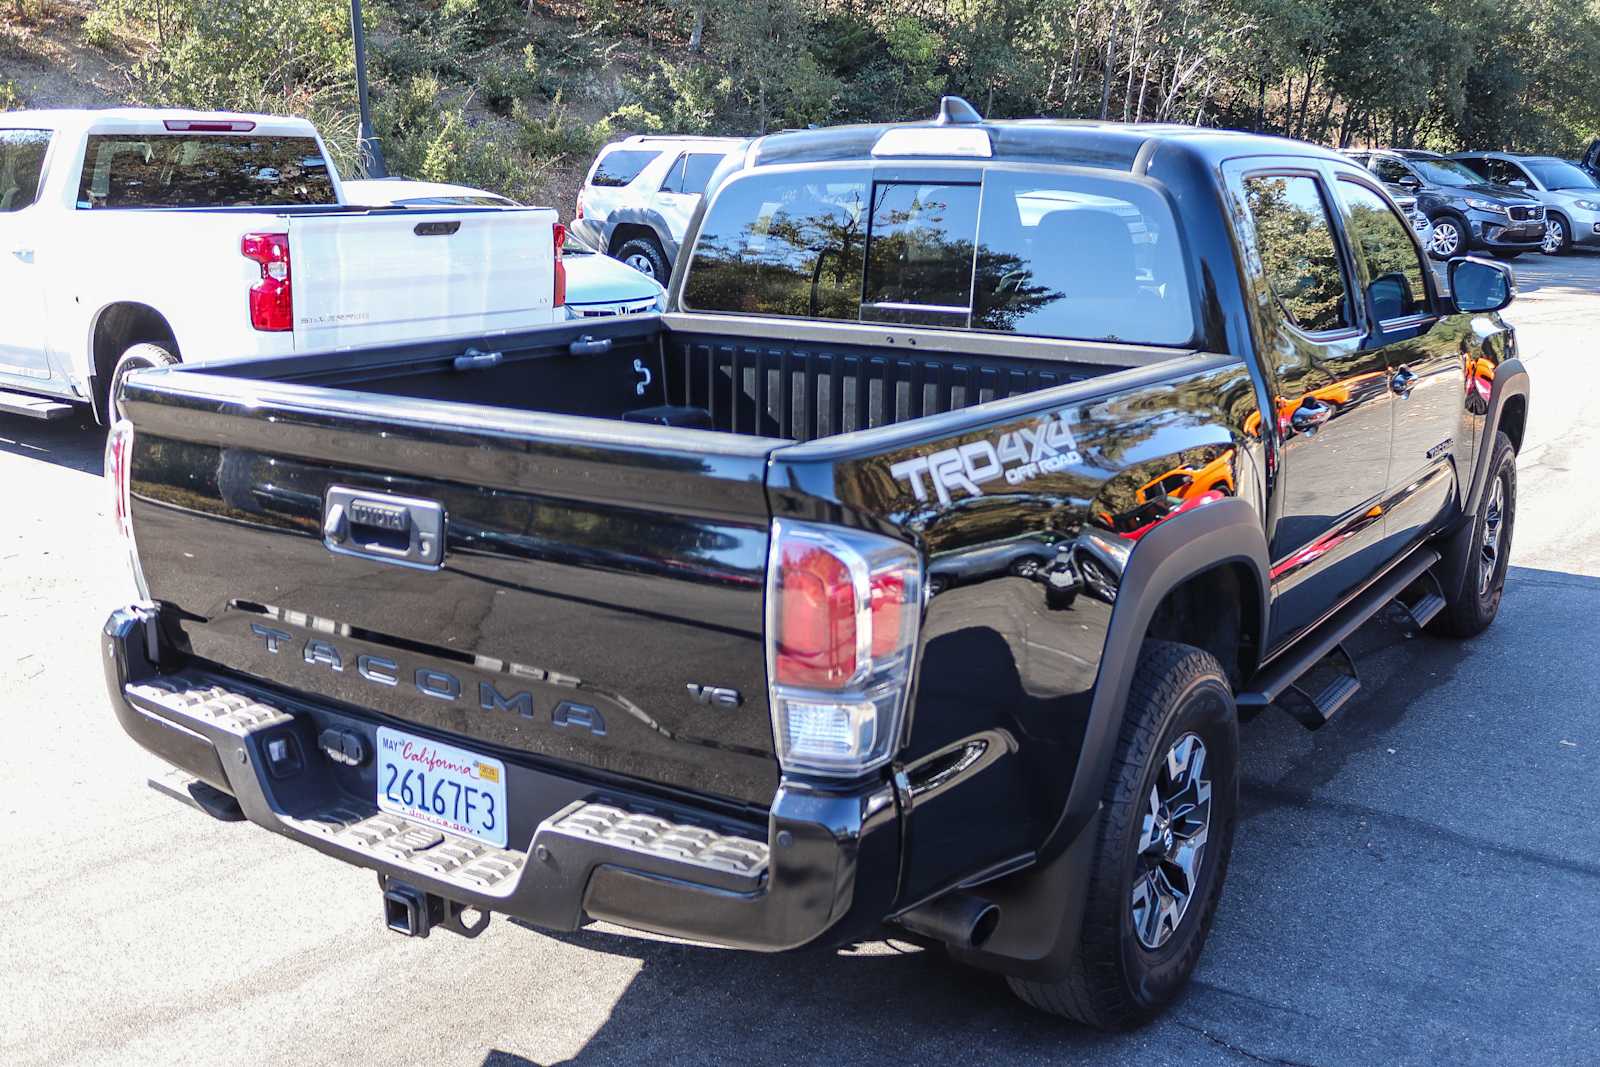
(1390, 297)
(1408, 181)
(1477, 285)
(1517, 183)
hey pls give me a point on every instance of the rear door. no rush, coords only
(22, 332)
(408, 274)
(593, 593)
(1333, 406)
(682, 189)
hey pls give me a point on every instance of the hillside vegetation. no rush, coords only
(517, 96)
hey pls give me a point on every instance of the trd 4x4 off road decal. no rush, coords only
(1018, 455)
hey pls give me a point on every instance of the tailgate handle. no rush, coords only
(436, 229)
(390, 529)
(589, 346)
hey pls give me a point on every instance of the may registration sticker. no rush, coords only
(457, 791)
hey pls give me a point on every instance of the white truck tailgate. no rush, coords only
(411, 275)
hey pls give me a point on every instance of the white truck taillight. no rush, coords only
(272, 298)
(843, 611)
(559, 240)
(119, 455)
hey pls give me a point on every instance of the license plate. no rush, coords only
(457, 791)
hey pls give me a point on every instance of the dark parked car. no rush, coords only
(1570, 194)
(1467, 212)
(916, 567)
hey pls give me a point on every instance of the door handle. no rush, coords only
(1310, 414)
(1403, 381)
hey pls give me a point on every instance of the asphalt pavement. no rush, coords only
(1419, 882)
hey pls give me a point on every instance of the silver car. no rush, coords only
(1570, 195)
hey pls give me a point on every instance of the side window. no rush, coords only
(1514, 173)
(620, 166)
(1394, 272)
(697, 171)
(919, 260)
(21, 166)
(1389, 170)
(673, 183)
(1483, 168)
(1299, 255)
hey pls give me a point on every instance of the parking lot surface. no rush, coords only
(1419, 882)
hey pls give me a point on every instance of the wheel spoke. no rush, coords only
(1176, 824)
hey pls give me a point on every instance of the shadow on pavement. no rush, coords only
(75, 443)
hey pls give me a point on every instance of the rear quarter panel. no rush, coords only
(999, 499)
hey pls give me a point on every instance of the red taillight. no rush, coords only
(272, 298)
(119, 449)
(816, 638)
(888, 601)
(209, 125)
(559, 297)
(580, 206)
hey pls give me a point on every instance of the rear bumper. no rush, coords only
(823, 863)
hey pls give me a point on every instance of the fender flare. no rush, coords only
(650, 220)
(1510, 380)
(1041, 908)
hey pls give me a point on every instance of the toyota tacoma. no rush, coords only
(914, 570)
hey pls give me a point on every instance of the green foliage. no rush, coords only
(10, 96)
(521, 94)
(102, 28)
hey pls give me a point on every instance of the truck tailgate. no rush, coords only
(589, 583)
(411, 275)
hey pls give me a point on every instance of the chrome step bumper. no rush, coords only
(578, 850)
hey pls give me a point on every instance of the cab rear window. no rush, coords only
(1042, 253)
(198, 170)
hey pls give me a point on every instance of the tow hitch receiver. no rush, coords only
(414, 912)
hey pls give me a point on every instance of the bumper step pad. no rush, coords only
(738, 858)
(586, 831)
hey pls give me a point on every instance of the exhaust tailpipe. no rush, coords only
(958, 919)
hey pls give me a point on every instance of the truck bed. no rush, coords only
(693, 372)
(565, 540)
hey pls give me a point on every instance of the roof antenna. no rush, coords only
(954, 111)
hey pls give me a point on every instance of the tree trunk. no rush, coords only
(1106, 75)
(696, 33)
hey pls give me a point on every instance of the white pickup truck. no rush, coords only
(137, 238)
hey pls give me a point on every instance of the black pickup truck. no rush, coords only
(916, 568)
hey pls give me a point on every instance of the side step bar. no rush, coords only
(1320, 658)
(32, 407)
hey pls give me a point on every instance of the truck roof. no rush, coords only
(1082, 142)
(147, 120)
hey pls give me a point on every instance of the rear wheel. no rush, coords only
(645, 255)
(1170, 806)
(136, 357)
(1481, 552)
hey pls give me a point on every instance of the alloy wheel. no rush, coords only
(1446, 238)
(1555, 236)
(1493, 527)
(641, 263)
(1172, 842)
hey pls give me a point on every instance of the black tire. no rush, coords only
(1477, 579)
(645, 255)
(1115, 980)
(135, 357)
(1558, 235)
(1463, 234)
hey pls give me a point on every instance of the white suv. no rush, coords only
(640, 193)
